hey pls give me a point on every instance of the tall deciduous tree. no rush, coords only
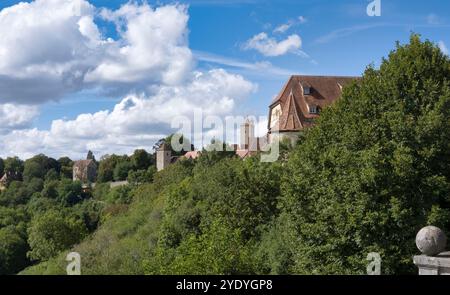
(141, 160)
(376, 168)
(13, 249)
(53, 232)
(14, 165)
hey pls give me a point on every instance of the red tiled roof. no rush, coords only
(295, 104)
(192, 155)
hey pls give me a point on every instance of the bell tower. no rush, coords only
(163, 157)
(247, 134)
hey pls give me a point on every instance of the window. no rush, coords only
(313, 109)
(306, 90)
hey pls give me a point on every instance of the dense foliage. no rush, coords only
(366, 178)
(43, 211)
(375, 169)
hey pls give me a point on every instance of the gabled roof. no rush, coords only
(9, 176)
(292, 114)
(4, 178)
(295, 104)
(82, 164)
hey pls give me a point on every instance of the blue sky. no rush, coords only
(322, 38)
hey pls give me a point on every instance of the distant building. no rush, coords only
(3, 182)
(300, 101)
(85, 171)
(295, 108)
(164, 157)
(7, 178)
(249, 144)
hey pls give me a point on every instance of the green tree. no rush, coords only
(119, 195)
(14, 166)
(219, 250)
(51, 175)
(69, 192)
(141, 160)
(376, 168)
(32, 170)
(66, 165)
(50, 190)
(53, 232)
(106, 167)
(65, 161)
(139, 176)
(121, 170)
(13, 250)
(39, 205)
(16, 194)
(90, 156)
(38, 166)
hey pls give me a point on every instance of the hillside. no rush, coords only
(172, 221)
(372, 172)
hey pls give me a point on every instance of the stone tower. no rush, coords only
(163, 157)
(247, 134)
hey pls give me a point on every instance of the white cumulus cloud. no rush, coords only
(271, 47)
(16, 116)
(135, 122)
(282, 28)
(49, 48)
(52, 48)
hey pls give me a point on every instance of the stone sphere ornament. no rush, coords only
(431, 240)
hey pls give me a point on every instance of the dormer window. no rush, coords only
(307, 90)
(313, 109)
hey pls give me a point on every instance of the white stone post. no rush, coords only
(431, 241)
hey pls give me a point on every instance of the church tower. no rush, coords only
(247, 134)
(163, 157)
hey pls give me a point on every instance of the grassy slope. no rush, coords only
(120, 244)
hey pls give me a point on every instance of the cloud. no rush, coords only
(152, 47)
(282, 28)
(433, 19)
(443, 47)
(293, 22)
(50, 48)
(336, 34)
(264, 68)
(16, 116)
(137, 121)
(302, 19)
(271, 47)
